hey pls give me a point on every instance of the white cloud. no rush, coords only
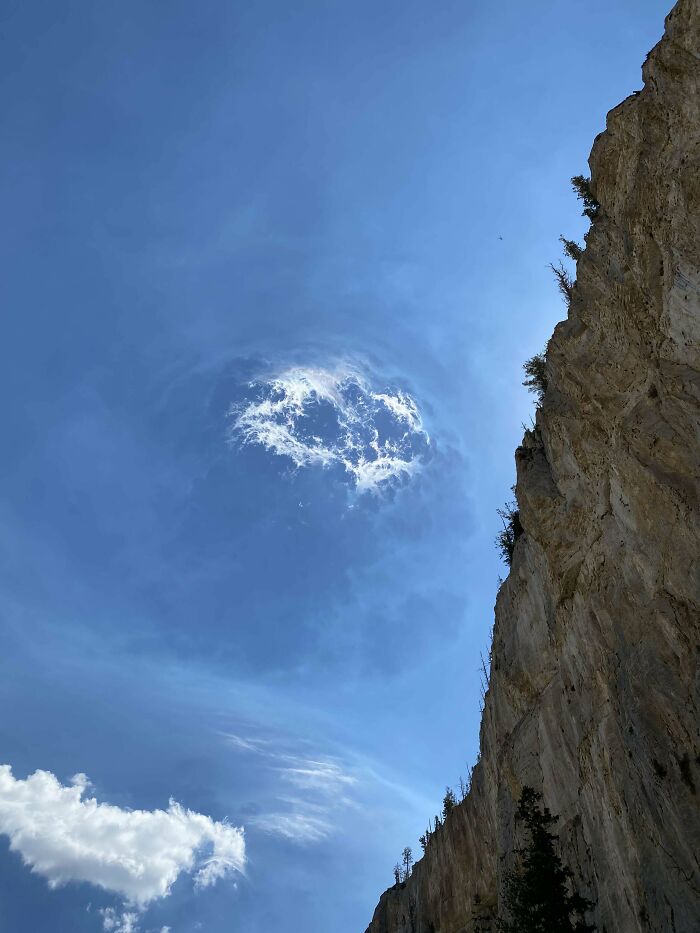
(321, 786)
(332, 417)
(114, 922)
(248, 745)
(326, 776)
(403, 407)
(65, 836)
(294, 825)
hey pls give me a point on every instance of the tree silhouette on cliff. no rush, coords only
(538, 893)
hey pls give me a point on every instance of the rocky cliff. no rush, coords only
(593, 696)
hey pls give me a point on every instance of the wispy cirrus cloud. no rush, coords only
(295, 824)
(319, 788)
(329, 417)
(64, 836)
(325, 775)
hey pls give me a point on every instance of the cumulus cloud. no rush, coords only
(333, 417)
(63, 835)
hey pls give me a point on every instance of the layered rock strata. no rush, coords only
(594, 692)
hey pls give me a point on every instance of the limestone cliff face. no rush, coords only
(594, 681)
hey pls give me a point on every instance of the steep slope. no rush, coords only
(594, 681)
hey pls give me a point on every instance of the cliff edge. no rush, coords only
(594, 686)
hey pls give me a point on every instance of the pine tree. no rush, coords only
(449, 802)
(582, 189)
(537, 893)
(511, 531)
(536, 371)
(407, 859)
(571, 248)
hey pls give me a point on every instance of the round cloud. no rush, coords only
(323, 417)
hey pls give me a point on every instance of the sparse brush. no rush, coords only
(565, 283)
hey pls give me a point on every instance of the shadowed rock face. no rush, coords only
(594, 681)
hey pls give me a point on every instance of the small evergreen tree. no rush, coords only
(537, 892)
(397, 874)
(407, 859)
(536, 371)
(511, 531)
(582, 188)
(571, 248)
(448, 802)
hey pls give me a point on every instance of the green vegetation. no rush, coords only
(511, 531)
(536, 371)
(402, 869)
(449, 802)
(571, 248)
(582, 188)
(538, 895)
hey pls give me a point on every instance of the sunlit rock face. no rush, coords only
(594, 680)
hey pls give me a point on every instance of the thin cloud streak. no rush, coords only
(301, 828)
(325, 776)
(323, 786)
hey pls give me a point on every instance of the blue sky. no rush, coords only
(269, 274)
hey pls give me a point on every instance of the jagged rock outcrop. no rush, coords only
(594, 693)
